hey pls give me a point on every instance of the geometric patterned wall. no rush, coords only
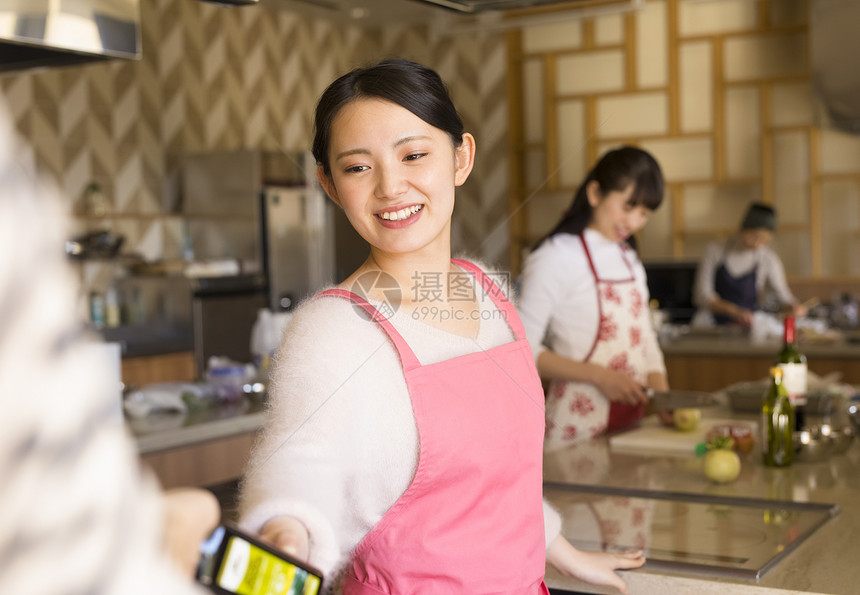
(215, 77)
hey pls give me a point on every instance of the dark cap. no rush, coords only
(759, 216)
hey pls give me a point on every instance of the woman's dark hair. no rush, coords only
(615, 171)
(408, 84)
(759, 216)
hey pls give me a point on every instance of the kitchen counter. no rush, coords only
(200, 448)
(715, 344)
(168, 430)
(825, 562)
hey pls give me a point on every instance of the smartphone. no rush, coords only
(234, 563)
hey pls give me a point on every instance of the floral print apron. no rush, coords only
(578, 410)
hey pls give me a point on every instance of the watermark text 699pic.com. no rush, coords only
(433, 287)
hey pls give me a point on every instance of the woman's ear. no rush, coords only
(328, 185)
(592, 191)
(464, 159)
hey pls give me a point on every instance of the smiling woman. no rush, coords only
(413, 343)
(585, 303)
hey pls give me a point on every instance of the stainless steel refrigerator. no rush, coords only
(266, 213)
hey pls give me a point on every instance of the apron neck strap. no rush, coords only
(588, 256)
(496, 294)
(407, 356)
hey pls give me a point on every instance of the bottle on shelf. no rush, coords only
(264, 340)
(97, 309)
(778, 425)
(794, 371)
(112, 307)
(95, 202)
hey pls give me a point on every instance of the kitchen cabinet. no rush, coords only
(712, 363)
(204, 464)
(710, 373)
(168, 367)
(201, 448)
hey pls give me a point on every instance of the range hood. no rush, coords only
(43, 33)
(478, 6)
(232, 2)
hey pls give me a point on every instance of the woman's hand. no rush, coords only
(289, 534)
(658, 381)
(190, 516)
(743, 316)
(740, 315)
(597, 568)
(618, 386)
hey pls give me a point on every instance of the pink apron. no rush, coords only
(578, 410)
(471, 521)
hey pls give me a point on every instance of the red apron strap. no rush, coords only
(588, 256)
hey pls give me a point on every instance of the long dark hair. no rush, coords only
(615, 171)
(410, 85)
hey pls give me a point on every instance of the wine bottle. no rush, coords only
(794, 371)
(777, 424)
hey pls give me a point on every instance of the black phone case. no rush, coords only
(210, 566)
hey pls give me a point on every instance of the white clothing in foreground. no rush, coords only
(558, 302)
(75, 516)
(340, 444)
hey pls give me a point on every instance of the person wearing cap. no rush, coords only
(732, 275)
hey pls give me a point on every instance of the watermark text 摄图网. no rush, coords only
(452, 287)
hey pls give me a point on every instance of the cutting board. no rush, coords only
(653, 438)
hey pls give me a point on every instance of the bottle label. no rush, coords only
(794, 381)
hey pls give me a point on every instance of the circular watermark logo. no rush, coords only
(380, 288)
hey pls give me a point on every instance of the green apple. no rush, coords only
(722, 465)
(686, 420)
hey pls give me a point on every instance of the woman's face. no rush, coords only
(613, 215)
(394, 175)
(756, 238)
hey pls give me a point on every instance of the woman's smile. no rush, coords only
(400, 217)
(621, 234)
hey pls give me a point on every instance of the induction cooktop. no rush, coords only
(687, 532)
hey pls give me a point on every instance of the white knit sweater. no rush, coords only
(340, 444)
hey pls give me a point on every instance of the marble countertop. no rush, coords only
(825, 562)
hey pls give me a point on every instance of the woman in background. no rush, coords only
(584, 303)
(733, 274)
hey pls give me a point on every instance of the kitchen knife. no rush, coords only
(681, 399)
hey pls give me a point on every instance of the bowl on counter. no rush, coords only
(747, 396)
(811, 445)
(819, 441)
(854, 411)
